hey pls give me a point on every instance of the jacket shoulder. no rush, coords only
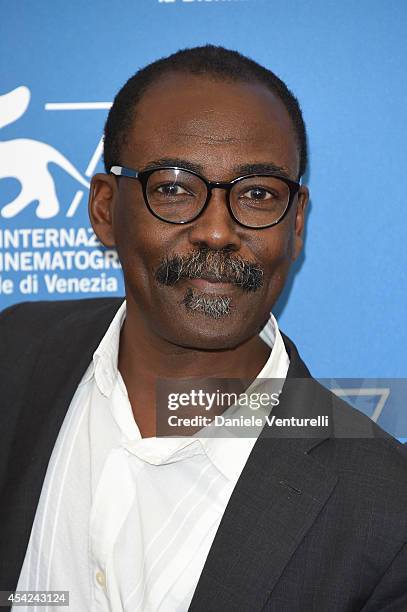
(364, 454)
(30, 320)
(356, 440)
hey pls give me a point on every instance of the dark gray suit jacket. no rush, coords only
(316, 523)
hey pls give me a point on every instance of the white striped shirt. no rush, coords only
(124, 523)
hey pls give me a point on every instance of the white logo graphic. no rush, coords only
(27, 160)
(381, 393)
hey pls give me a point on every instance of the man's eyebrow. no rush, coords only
(251, 168)
(262, 168)
(174, 161)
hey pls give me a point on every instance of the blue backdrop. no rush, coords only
(61, 64)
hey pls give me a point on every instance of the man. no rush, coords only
(204, 152)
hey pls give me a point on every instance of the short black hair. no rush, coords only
(214, 61)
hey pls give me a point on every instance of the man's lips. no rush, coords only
(211, 285)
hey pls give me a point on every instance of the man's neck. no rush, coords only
(145, 357)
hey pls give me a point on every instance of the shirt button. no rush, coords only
(101, 579)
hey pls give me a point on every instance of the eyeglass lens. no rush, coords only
(179, 196)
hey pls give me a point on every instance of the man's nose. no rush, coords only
(215, 228)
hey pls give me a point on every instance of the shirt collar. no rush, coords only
(104, 365)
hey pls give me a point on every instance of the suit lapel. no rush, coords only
(277, 498)
(66, 353)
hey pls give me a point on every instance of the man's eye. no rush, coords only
(257, 193)
(172, 190)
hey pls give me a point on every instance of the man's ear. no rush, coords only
(102, 200)
(299, 221)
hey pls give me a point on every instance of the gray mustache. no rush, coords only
(215, 266)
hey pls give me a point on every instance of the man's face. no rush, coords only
(220, 128)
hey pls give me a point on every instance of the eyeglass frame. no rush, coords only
(143, 175)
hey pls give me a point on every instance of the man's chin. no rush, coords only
(198, 320)
(200, 340)
(211, 305)
(196, 330)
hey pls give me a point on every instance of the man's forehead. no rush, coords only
(187, 115)
(192, 102)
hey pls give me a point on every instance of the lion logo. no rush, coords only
(27, 160)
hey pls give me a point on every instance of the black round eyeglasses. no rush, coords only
(176, 195)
